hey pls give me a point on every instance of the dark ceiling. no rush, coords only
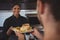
(6, 1)
(9, 1)
(26, 4)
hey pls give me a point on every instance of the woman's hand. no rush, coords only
(20, 36)
(9, 31)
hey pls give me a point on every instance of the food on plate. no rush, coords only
(25, 26)
(16, 29)
(23, 29)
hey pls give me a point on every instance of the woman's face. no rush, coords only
(16, 9)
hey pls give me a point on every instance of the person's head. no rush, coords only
(16, 9)
(48, 10)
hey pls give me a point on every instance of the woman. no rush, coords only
(16, 20)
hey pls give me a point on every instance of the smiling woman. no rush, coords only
(7, 13)
(13, 21)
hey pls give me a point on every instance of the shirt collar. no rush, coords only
(15, 17)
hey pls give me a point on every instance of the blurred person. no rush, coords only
(49, 15)
(16, 20)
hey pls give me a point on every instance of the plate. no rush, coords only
(27, 31)
(16, 30)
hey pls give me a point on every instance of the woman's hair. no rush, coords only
(16, 4)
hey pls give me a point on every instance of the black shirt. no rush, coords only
(13, 21)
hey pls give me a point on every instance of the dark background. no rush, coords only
(26, 4)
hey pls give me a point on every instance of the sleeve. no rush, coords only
(5, 28)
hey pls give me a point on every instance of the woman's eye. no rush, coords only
(18, 8)
(14, 8)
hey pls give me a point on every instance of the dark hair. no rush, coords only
(55, 7)
(16, 4)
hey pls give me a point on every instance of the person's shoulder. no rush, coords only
(23, 17)
(9, 18)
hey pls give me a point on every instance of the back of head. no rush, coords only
(55, 7)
